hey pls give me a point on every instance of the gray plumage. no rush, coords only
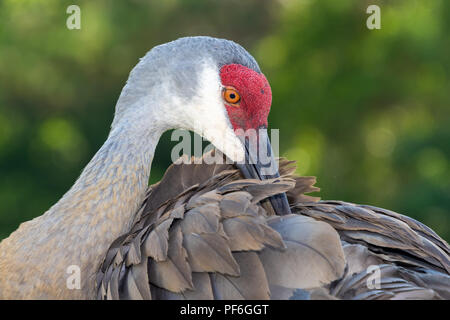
(202, 235)
(173, 67)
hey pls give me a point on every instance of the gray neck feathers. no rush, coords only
(80, 227)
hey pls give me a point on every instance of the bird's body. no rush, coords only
(213, 235)
(203, 233)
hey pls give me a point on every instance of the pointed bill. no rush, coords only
(261, 164)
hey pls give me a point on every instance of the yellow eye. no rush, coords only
(231, 96)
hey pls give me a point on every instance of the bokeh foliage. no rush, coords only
(366, 111)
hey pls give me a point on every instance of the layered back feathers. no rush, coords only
(204, 232)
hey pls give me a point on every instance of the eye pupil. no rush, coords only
(232, 96)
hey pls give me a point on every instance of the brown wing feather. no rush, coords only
(414, 261)
(394, 237)
(203, 233)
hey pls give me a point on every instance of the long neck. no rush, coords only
(82, 225)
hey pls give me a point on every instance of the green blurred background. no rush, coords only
(366, 111)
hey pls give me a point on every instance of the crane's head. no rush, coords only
(212, 87)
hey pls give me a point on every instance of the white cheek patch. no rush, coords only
(209, 116)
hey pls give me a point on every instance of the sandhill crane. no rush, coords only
(211, 231)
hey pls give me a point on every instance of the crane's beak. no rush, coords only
(262, 167)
